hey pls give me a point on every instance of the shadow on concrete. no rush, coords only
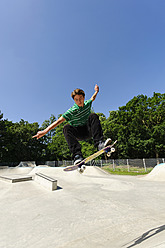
(146, 236)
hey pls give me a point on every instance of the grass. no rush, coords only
(123, 170)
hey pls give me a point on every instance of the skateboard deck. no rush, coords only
(108, 149)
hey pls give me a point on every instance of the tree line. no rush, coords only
(139, 127)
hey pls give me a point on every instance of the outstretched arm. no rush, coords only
(96, 92)
(50, 127)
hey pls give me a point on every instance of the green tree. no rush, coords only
(58, 147)
(50, 134)
(19, 145)
(87, 148)
(139, 127)
(2, 137)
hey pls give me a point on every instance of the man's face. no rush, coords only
(79, 100)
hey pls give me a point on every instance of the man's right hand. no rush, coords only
(39, 134)
(50, 127)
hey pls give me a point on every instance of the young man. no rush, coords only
(82, 125)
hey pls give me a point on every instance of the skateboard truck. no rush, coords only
(110, 152)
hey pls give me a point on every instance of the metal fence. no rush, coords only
(112, 163)
(130, 163)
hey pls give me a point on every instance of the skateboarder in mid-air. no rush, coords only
(82, 125)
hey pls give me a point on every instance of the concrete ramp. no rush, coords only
(15, 170)
(92, 176)
(27, 164)
(157, 174)
(89, 210)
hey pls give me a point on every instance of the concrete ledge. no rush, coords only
(46, 181)
(16, 178)
(4, 167)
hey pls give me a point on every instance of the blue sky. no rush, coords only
(50, 47)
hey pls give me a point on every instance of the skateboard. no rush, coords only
(81, 166)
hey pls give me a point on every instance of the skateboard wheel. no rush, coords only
(80, 170)
(112, 149)
(83, 167)
(108, 154)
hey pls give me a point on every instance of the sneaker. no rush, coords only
(103, 144)
(77, 159)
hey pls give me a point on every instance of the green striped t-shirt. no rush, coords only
(78, 116)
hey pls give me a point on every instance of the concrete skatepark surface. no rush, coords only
(157, 174)
(92, 210)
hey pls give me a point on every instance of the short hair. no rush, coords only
(77, 92)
